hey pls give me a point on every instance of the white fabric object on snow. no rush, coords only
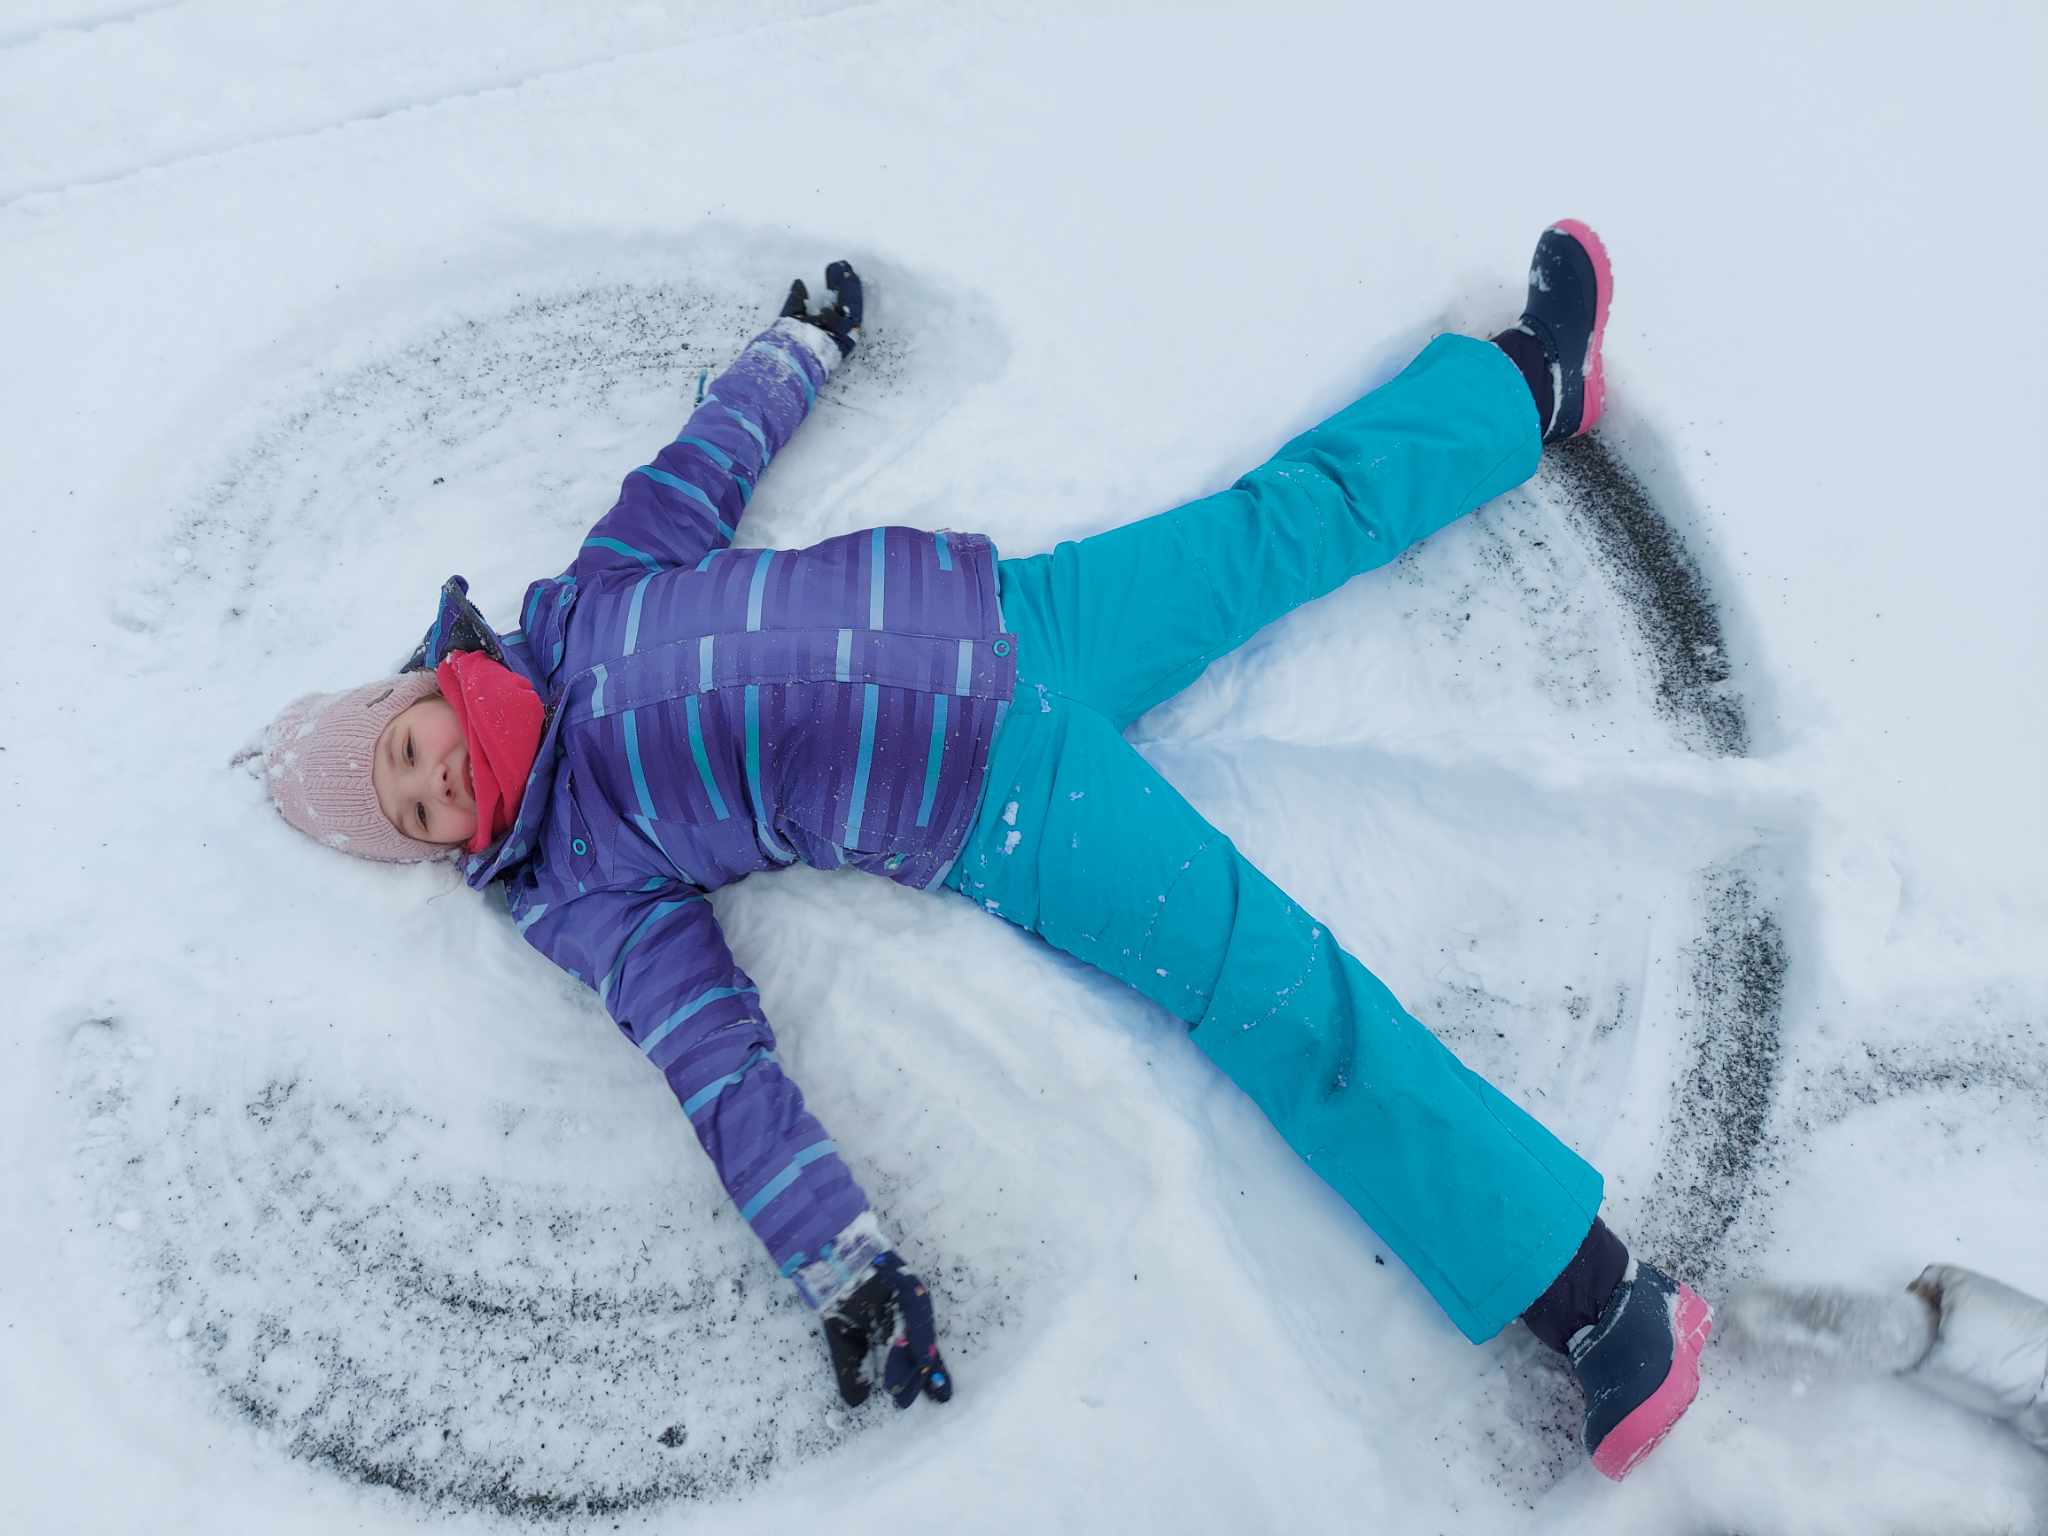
(1791, 1330)
(1959, 1334)
(1990, 1348)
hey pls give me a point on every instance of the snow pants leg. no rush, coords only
(1081, 841)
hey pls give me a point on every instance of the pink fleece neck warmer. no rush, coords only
(501, 720)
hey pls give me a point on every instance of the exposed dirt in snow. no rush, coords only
(1721, 1111)
(500, 1343)
(1660, 581)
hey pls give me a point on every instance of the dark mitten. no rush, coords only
(890, 1308)
(840, 319)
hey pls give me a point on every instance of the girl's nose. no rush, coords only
(447, 782)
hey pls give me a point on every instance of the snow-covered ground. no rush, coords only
(1696, 792)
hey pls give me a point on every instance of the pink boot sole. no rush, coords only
(1603, 276)
(1692, 1322)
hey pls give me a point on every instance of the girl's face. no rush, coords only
(420, 771)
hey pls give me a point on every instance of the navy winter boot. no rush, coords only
(1557, 342)
(1639, 1366)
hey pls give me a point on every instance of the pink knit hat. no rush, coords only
(316, 760)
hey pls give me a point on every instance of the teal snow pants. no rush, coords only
(1082, 842)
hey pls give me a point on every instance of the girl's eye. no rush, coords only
(419, 809)
(408, 749)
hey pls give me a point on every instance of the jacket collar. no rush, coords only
(457, 626)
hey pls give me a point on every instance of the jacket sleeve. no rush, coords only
(660, 963)
(689, 501)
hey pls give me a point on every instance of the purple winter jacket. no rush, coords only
(713, 711)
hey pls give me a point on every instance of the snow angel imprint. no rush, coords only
(672, 713)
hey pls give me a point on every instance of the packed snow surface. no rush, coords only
(1695, 792)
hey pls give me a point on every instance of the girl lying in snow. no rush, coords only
(674, 713)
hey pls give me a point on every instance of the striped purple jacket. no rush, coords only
(713, 711)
